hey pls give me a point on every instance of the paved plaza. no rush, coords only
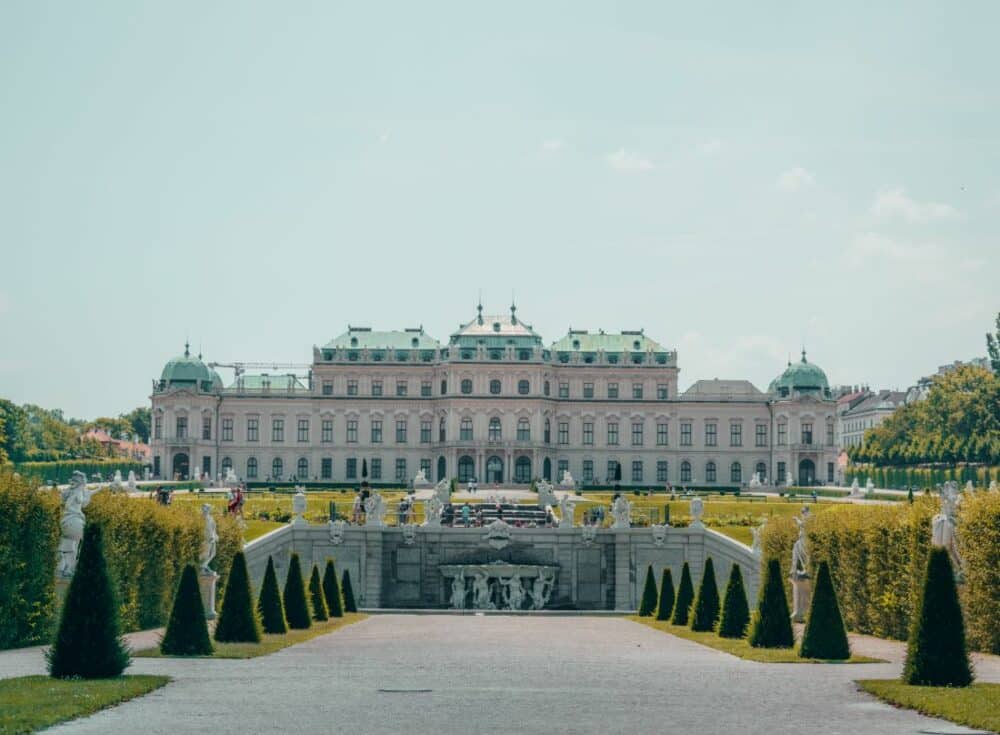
(494, 674)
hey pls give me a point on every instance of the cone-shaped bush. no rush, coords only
(331, 591)
(936, 654)
(88, 643)
(665, 606)
(735, 608)
(348, 592)
(705, 613)
(648, 602)
(771, 626)
(685, 596)
(296, 607)
(238, 620)
(272, 614)
(316, 596)
(187, 631)
(825, 635)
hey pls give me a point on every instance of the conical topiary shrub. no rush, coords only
(296, 607)
(187, 631)
(705, 612)
(331, 591)
(936, 654)
(735, 608)
(665, 606)
(272, 614)
(685, 596)
(316, 596)
(825, 635)
(88, 643)
(348, 592)
(771, 626)
(238, 620)
(648, 602)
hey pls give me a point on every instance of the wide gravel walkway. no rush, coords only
(493, 674)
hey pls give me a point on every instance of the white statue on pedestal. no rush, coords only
(566, 507)
(116, 482)
(231, 477)
(757, 547)
(458, 592)
(299, 505)
(993, 486)
(375, 510)
(420, 480)
(546, 496)
(697, 511)
(443, 490)
(855, 489)
(132, 484)
(869, 486)
(943, 527)
(788, 479)
(432, 511)
(621, 509)
(799, 575)
(210, 541)
(567, 480)
(969, 487)
(76, 497)
(755, 480)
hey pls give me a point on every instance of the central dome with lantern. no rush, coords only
(801, 377)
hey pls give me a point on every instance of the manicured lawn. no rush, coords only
(269, 643)
(256, 529)
(975, 706)
(30, 703)
(740, 647)
(739, 533)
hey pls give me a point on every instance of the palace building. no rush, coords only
(496, 404)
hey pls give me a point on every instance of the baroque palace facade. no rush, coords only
(494, 404)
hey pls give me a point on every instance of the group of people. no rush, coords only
(162, 495)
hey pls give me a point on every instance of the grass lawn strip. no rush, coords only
(975, 706)
(30, 703)
(741, 648)
(269, 643)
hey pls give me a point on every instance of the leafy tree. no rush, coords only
(88, 643)
(993, 347)
(771, 626)
(15, 434)
(705, 613)
(735, 608)
(825, 635)
(316, 596)
(187, 631)
(685, 596)
(648, 603)
(936, 654)
(331, 591)
(140, 420)
(296, 607)
(665, 607)
(269, 607)
(348, 592)
(238, 621)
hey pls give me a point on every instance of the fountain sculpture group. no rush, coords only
(499, 585)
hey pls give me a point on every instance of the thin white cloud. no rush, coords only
(924, 262)
(628, 161)
(894, 203)
(553, 145)
(710, 147)
(795, 179)
(384, 137)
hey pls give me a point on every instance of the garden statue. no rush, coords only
(993, 486)
(969, 487)
(621, 509)
(481, 592)
(443, 490)
(799, 575)
(132, 485)
(541, 588)
(943, 527)
(546, 496)
(432, 511)
(514, 592)
(116, 482)
(375, 511)
(567, 480)
(697, 511)
(755, 480)
(566, 512)
(299, 505)
(210, 541)
(788, 479)
(855, 489)
(869, 487)
(458, 592)
(758, 533)
(76, 497)
(420, 480)
(231, 477)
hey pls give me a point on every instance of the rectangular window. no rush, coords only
(711, 435)
(425, 467)
(376, 436)
(252, 430)
(736, 435)
(401, 388)
(227, 430)
(829, 434)
(158, 428)
(327, 387)
(637, 434)
(662, 391)
(376, 469)
(326, 469)
(637, 390)
(761, 435)
(563, 467)
(612, 390)
(782, 436)
(588, 390)
(352, 431)
(425, 432)
(376, 387)
(829, 472)
(637, 470)
(352, 469)
(206, 465)
(685, 434)
(563, 437)
(400, 470)
(612, 435)
(781, 473)
(425, 389)
(444, 387)
(182, 427)
(465, 430)
(352, 387)
(662, 434)
(206, 427)
(588, 471)
(303, 430)
(523, 431)
(661, 470)
(612, 471)
(588, 433)
(326, 431)
(807, 433)
(156, 466)
(564, 390)
(401, 431)
(277, 430)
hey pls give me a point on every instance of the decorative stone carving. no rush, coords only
(566, 509)
(589, 535)
(567, 482)
(621, 509)
(458, 592)
(409, 534)
(514, 593)
(443, 490)
(420, 480)
(659, 534)
(546, 495)
(541, 588)
(499, 585)
(799, 575)
(337, 532)
(299, 506)
(498, 534)
(432, 511)
(132, 484)
(481, 592)
(943, 527)
(375, 511)
(75, 498)
(697, 511)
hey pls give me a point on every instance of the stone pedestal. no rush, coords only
(206, 583)
(62, 586)
(800, 597)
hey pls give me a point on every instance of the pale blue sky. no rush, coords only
(735, 178)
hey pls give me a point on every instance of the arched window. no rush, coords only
(736, 472)
(466, 469)
(522, 469)
(761, 471)
(523, 386)
(441, 431)
(277, 468)
(252, 468)
(227, 464)
(494, 470)
(465, 430)
(548, 431)
(496, 434)
(302, 469)
(523, 430)
(495, 387)
(710, 472)
(466, 386)
(685, 471)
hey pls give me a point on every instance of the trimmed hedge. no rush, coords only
(705, 613)
(685, 596)
(187, 631)
(825, 635)
(648, 603)
(318, 604)
(665, 606)
(331, 591)
(269, 607)
(735, 608)
(348, 592)
(900, 478)
(238, 619)
(294, 596)
(62, 470)
(771, 626)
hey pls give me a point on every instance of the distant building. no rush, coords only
(919, 391)
(134, 449)
(864, 410)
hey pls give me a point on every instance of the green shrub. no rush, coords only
(187, 631)
(825, 635)
(331, 591)
(269, 607)
(979, 544)
(665, 605)
(348, 592)
(685, 596)
(648, 602)
(238, 621)
(771, 626)
(316, 596)
(62, 470)
(936, 654)
(706, 605)
(735, 608)
(88, 643)
(294, 597)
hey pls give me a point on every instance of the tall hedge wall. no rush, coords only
(63, 470)
(877, 554)
(899, 478)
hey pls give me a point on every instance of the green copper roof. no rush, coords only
(276, 383)
(496, 331)
(627, 341)
(361, 338)
(800, 376)
(187, 370)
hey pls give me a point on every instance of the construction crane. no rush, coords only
(239, 368)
